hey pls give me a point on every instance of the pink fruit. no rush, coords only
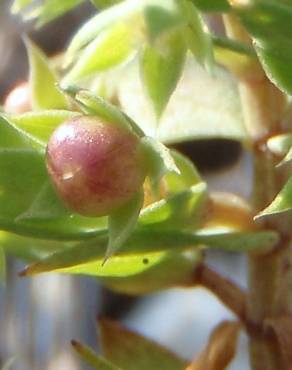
(95, 166)
(19, 99)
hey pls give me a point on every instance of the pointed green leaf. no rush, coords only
(44, 206)
(280, 144)
(161, 69)
(92, 358)
(45, 94)
(203, 106)
(87, 257)
(39, 126)
(273, 48)
(10, 137)
(181, 210)
(159, 159)
(132, 351)
(161, 17)
(92, 28)
(198, 38)
(282, 202)
(122, 222)
(187, 176)
(108, 49)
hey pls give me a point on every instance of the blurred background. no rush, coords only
(39, 316)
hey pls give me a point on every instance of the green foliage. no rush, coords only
(44, 92)
(204, 107)
(135, 351)
(109, 48)
(197, 36)
(96, 105)
(159, 161)
(38, 126)
(122, 222)
(161, 70)
(282, 202)
(269, 23)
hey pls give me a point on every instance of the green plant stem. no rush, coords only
(263, 106)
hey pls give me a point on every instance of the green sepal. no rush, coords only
(122, 222)
(158, 159)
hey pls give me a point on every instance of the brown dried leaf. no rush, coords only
(220, 350)
(132, 351)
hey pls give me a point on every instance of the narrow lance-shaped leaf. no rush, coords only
(181, 210)
(161, 68)
(282, 202)
(158, 158)
(144, 241)
(92, 358)
(205, 107)
(161, 17)
(38, 126)
(280, 144)
(273, 48)
(108, 49)
(197, 36)
(45, 94)
(92, 28)
(132, 351)
(29, 249)
(187, 176)
(122, 222)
